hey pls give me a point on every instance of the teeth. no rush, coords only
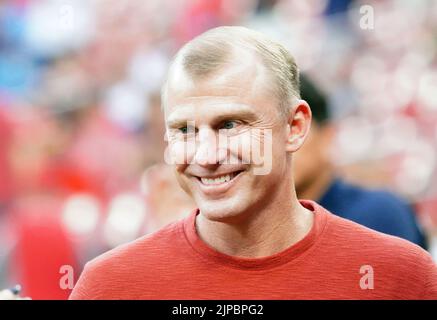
(218, 180)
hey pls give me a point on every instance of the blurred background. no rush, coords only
(82, 134)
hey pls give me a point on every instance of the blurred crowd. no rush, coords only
(82, 133)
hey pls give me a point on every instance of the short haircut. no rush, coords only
(316, 98)
(214, 49)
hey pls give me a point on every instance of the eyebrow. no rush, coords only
(243, 115)
(246, 115)
(177, 123)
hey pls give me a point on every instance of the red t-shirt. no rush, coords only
(337, 259)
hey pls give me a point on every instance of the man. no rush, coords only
(250, 238)
(315, 179)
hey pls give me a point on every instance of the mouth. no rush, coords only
(217, 180)
(218, 183)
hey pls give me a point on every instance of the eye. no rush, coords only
(228, 124)
(186, 129)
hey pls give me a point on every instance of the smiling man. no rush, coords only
(234, 119)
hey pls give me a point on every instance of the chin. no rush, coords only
(224, 210)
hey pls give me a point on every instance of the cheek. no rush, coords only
(252, 146)
(239, 147)
(273, 153)
(182, 179)
(180, 152)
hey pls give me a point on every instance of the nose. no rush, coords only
(208, 152)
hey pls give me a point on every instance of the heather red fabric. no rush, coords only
(337, 259)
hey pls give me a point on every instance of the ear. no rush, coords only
(299, 124)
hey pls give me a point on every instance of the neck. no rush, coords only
(272, 229)
(316, 188)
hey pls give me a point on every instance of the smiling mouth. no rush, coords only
(219, 180)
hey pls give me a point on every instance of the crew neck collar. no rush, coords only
(282, 257)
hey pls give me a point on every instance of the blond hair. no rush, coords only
(210, 51)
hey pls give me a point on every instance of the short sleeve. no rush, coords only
(87, 285)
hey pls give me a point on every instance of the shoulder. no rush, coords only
(111, 273)
(383, 211)
(397, 263)
(355, 236)
(383, 249)
(153, 246)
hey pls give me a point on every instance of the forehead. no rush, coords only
(242, 84)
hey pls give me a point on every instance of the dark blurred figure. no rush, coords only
(316, 179)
